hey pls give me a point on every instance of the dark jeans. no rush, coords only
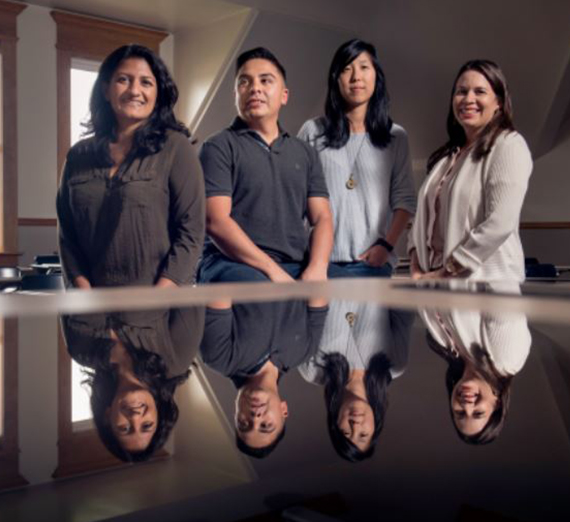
(359, 269)
(217, 268)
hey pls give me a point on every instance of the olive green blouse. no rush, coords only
(144, 223)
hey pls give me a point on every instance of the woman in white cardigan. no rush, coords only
(469, 206)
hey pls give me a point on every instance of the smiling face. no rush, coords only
(132, 92)
(133, 418)
(260, 416)
(474, 103)
(472, 404)
(357, 81)
(260, 91)
(356, 421)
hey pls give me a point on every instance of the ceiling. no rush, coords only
(169, 15)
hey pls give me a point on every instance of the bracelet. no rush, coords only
(452, 267)
(382, 242)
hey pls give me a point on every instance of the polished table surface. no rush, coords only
(420, 469)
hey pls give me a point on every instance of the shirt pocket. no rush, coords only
(85, 190)
(140, 190)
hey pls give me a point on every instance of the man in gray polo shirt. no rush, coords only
(261, 184)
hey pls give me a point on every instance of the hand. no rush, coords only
(278, 275)
(313, 273)
(434, 274)
(375, 256)
(415, 271)
(164, 282)
(82, 282)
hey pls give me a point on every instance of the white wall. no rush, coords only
(37, 114)
(305, 49)
(202, 57)
(547, 198)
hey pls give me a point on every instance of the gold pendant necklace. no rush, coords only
(351, 182)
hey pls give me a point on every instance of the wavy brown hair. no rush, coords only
(501, 121)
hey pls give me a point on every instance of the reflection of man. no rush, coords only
(254, 345)
(261, 184)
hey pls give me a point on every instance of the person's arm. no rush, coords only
(403, 200)
(377, 255)
(506, 182)
(187, 213)
(74, 263)
(320, 218)
(234, 243)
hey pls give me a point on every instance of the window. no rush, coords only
(83, 74)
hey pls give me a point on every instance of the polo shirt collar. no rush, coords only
(241, 127)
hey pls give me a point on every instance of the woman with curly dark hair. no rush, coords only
(131, 199)
(136, 361)
(366, 163)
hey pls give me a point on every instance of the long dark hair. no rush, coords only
(376, 380)
(501, 121)
(150, 137)
(149, 369)
(378, 122)
(500, 384)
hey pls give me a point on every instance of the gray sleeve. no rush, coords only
(317, 184)
(217, 164)
(402, 190)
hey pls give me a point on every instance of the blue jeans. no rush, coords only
(217, 268)
(359, 269)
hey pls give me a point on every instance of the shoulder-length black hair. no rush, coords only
(150, 369)
(501, 121)
(150, 137)
(376, 380)
(378, 122)
(500, 384)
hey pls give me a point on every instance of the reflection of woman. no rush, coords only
(366, 162)
(469, 206)
(131, 200)
(362, 349)
(483, 353)
(137, 361)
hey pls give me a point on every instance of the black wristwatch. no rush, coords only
(382, 242)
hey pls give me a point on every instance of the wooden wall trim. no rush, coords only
(9, 452)
(37, 222)
(8, 13)
(545, 225)
(9, 468)
(90, 37)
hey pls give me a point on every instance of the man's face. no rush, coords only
(260, 91)
(260, 416)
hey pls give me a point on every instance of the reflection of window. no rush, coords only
(80, 394)
(83, 76)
